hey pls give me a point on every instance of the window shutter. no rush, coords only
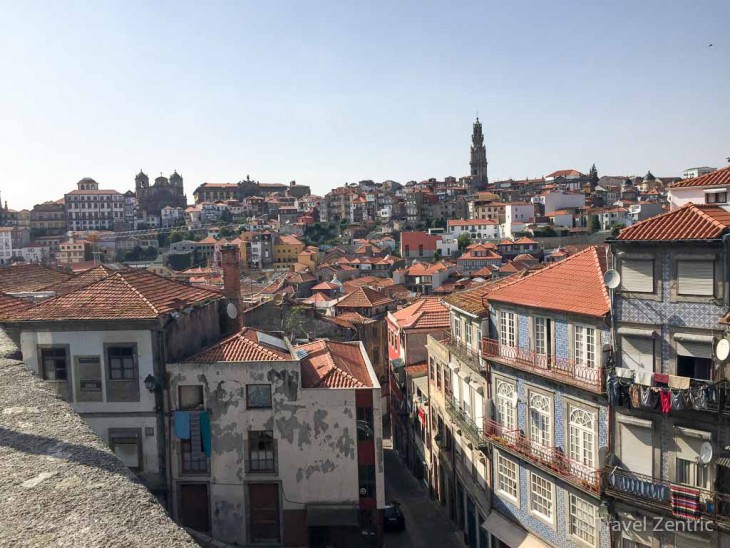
(696, 278)
(637, 275)
(694, 349)
(637, 353)
(636, 448)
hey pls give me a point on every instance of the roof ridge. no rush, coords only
(137, 291)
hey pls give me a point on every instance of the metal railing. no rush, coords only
(657, 493)
(472, 429)
(554, 367)
(548, 457)
(466, 354)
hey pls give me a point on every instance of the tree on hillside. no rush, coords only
(464, 241)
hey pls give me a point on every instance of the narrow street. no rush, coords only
(425, 524)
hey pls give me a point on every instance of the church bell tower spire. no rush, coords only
(478, 161)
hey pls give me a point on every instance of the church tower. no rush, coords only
(478, 161)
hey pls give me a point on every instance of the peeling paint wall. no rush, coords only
(316, 437)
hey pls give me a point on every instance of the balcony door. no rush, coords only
(507, 334)
(543, 330)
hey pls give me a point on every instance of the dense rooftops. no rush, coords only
(248, 345)
(28, 278)
(425, 313)
(329, 364)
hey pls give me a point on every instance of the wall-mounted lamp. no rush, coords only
(151, 383)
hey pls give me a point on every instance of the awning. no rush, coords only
(422, 385)
(509, 533)
(691, 337)
(325, 515)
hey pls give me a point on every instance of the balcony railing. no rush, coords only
(560, 369)
(552, 459)
(472, 429)
(465, 353)
(658, 494)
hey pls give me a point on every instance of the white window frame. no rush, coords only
(467, 333)
(507, 474)
(507, 328)
(539, 407)
(537, 498)
(582, 435)
(585, 343)
(504, 391)
(586, 524)
(542, 344)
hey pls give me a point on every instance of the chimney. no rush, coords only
(231, 263)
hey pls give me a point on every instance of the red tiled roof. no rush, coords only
(525, 240)
(29, 278)
(417, 369)
(128, 294)
(245, 346)
(471, 300)
(327, 286)
(364, 297)
(554, 287)
(10, 305)
(690, 222)
(716, 178)
(425, 313)
(414, 239)
(316, 298)
(565, 173)
(81, 280)
(330, 364)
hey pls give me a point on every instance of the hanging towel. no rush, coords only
(677, 397)
(205, 432)
(623, 391)
(624, 373)
(612, 390)
(698, 397)
(634, 396)
(660, 378)
(182, 424)
(665, 401)
(649, 398)
(685, 502)
(196, 447)
(678, 382)
(644, 378)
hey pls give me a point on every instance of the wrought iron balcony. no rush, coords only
(661, 495)
(464, 353)
(560, 369)
(548, 458)
(467, 424)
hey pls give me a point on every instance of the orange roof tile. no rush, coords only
(716, 178)
(690, 222)
(10, 305)
(554, 287)
(425, 313)
(330, 364)
(32, 277)
(245, 346)
(417, 369)
(471, 300)
(128, 294)
(364, 297)
(327, 286)
(81, 280)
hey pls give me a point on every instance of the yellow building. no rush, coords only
(286, 252)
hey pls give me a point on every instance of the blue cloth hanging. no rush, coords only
(205, 432)
(181, 419)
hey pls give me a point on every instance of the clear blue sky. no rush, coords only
(328, 92)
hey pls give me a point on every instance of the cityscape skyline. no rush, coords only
(307, 96)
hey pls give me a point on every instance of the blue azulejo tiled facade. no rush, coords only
(549, 427)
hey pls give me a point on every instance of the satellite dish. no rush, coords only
(722, 350)
(232, 311)
(611, 279)
(706, 452)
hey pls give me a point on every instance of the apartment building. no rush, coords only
(89, 208)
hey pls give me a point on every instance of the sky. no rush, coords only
(331, 92)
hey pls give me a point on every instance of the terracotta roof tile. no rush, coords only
(29, 278)
(81, 280)
(10, 305)
(716, 178)
(425, 313)
(245, 346)
(128, 294)
(330, 364)
(554, 287)
(690, 222)
(471, 300)
(364, 297)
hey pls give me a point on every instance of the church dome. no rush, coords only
(649, 176)
(161, 181)
(88, 180)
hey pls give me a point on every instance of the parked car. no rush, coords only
(393, 519)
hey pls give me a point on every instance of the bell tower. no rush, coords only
(478, 162)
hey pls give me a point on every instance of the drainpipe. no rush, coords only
(165, 412)
(726, 269)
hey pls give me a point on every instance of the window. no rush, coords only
(582, 520)
(507, 476)
(689, 471)
(261, 451)
(457, 328)
(542, 336)
(366, 480)
(507, 332)
(122, 366)
(541, 496)
(637, 275)
(540, 419)
(467, 332)
(125, 444)
(581, 436)
(258, 396)
(54, 363)
(716, 197)
(694, 359)
(192, 463)
(585, 345)
(190, 397)
(637, 353)
(696, 278)
(364, 423)
(505, 410)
